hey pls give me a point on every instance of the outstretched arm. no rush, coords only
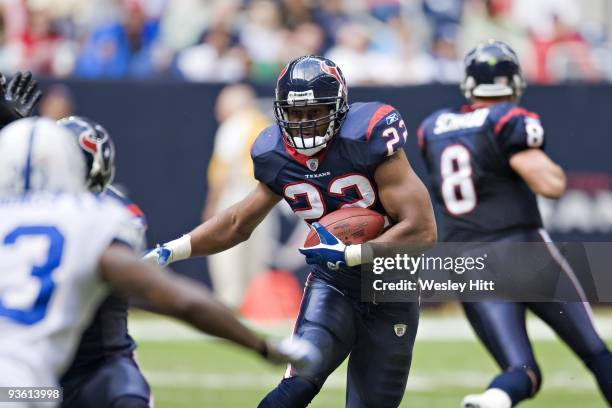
(233, 225)
(230, 227)
(182, 298)
(173, 295)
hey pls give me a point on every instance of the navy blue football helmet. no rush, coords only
(492, 69)
(98, 148)
(310, 81)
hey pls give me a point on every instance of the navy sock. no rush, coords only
(517, 383)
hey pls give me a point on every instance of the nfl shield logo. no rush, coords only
(399, 329)
(313, 164)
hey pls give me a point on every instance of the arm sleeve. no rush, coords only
(266, 165)
(518, 130)
(263, 167)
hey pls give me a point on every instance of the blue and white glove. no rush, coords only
(169, 252)
(331, 252)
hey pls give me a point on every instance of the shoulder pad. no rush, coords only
(267, 153)
(361, 118)
(267, 141)
(516, 129)
(379, 130)
(504, 113)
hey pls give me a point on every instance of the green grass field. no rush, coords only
(186, 371)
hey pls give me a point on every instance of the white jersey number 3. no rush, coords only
(457, 187)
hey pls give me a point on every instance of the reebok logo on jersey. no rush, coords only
(392, 118)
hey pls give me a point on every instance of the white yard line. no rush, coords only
(431, 328)
(416, 382)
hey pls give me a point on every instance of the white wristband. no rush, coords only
(352, 255)
(180, 247)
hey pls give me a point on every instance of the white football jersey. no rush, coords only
(50, 287)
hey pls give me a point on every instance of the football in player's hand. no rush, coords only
(350, 225)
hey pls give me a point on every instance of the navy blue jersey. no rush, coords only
(342, 175)
(107, 335)
(467, 154)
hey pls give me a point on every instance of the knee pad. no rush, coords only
(130, 401)
(293, 392)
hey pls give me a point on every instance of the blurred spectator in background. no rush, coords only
(441, 64)
(365, 63)
(123, 48)
(306, 39)
(296, 12)
(183, 21)
(9, 51)
(330, 16)
(351, 53)
(493, 19)
(57, 102)
(560, 51)
(219, 56)
(444, 17)
(39, 40)
(230, 179)
(262, 37)
(233, 40)
(384, 10)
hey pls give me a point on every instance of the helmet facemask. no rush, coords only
(102, 165)
(310, 136)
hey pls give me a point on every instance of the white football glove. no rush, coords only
(300, 353)
(169, 252)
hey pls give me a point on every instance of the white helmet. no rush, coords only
(37, 155)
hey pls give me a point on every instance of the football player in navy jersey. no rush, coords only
(486, 165)
(322, 155)
(104, 372)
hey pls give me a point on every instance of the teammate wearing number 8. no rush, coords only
(323, 155)
(486, 164)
